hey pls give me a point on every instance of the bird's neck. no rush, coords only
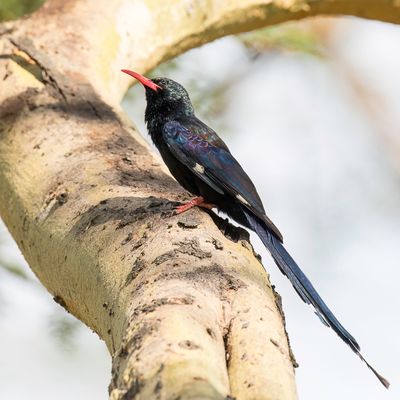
(156, 118)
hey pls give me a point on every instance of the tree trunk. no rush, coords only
(183, 304)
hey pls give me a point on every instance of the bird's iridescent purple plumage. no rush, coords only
(202, 163)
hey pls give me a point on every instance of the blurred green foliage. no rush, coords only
(14, 269)
(209, 97)
(8, 265)
(210, 100)
(64, 328)
(286, 37)
(13, 9)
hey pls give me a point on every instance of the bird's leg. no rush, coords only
(208, 206)
(196, 202)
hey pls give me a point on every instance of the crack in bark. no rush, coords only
(25, 62)
(95, 111)
(27, 47)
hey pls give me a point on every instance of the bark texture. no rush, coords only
(183, 304)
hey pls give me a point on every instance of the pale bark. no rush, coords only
(185, 311)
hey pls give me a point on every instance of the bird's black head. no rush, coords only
(166, 99)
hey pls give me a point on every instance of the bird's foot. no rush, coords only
(196, 202)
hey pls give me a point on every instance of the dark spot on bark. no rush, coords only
(192, 248)
(142, 330)
(162, 366)
(139, 243)
(188, 344)
(155, 303)
(158, 387)
(227, 346)
(127, 239)
(127, 159)
(217, 244)
(59, 300)
(148, 308)
(187, 246)
(274, 342)
(125, 210)
(245, 325)
(155, 202)
(135, 389)
(25, 224)
(213, 276)
(164, 257)
(188, 221)
(142, 212)
(138, 266)
(62, 198)
(210, 332)
(56, 198)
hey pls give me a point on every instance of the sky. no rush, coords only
(318, 136)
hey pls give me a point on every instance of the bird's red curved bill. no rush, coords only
(142, 79)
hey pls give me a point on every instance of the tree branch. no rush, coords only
(185, 311)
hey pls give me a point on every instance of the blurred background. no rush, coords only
(311, 111)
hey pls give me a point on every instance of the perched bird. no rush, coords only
(202, 163)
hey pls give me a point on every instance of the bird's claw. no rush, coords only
(196, 202)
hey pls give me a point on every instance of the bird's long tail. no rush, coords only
(303, 286)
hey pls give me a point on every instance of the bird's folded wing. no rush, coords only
(215, 166)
